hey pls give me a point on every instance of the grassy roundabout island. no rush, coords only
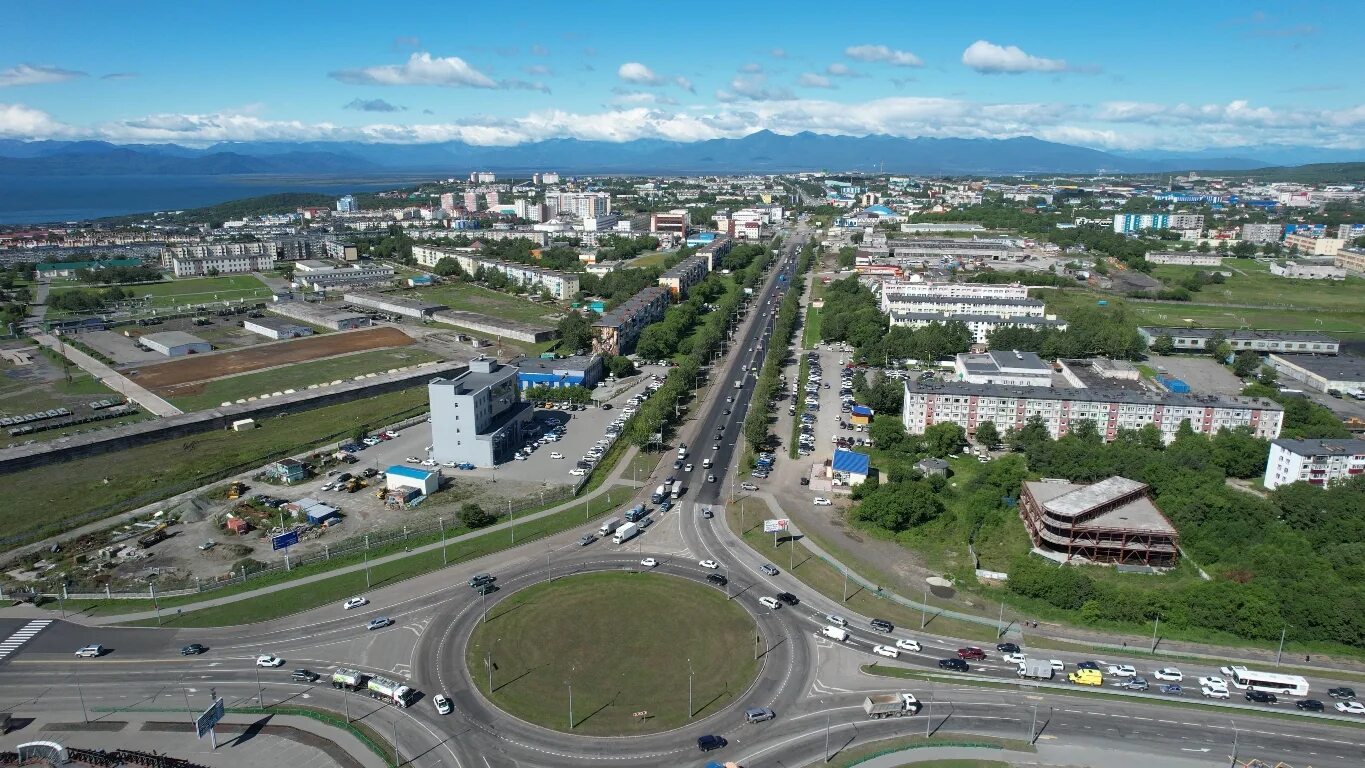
(623, 640)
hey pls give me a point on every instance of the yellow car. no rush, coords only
(1086, 677)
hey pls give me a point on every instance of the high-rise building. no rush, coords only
(471, 200)
(579, 205)
(492, 199)
(448, 203)
(347, 204)
(1125, 223)
(476, 416)
(482, 177)
(1261, 233)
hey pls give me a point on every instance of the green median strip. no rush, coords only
(881, 747)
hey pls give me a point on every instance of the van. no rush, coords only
(835, 633)
(1086, 677)
(769, 602)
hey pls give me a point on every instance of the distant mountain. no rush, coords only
(763, 151)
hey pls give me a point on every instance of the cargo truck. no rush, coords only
(891, 705)
(658, 495)
(677, 489)
(625, 533)
(610, 525)
(1036, 669)
(390, 691)
(349, 679)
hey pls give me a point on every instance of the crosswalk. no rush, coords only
(25, 634)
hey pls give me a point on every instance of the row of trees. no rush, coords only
(670, 336)
(1109, 331)
(767, 389)
(110, 275)
(87, 299)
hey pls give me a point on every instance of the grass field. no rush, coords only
(300, 375)
(195, 290)
(63, 491)
(655, 259)
(476, 298)
(624, 641)
(1252, 283)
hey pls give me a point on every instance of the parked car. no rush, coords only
(821, 501)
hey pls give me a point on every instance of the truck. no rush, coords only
(154, 537)
(1036, 669)
(390, 691)
(739, 383)
(349, 679)
(625, 533)
(677, 490)
(610, 525)
(635, 513)
(658, 495)
(891, 705)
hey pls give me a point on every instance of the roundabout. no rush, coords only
(620, 643)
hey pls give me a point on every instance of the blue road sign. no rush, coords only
(283, 540)
(209, 718)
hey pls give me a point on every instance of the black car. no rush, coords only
(193, 649)
(1310, 705)
(882, 625)
(304, 676)
(788, 598)
(1007, 647)
(1085, 664)
(957, 665)
(710, 741)
(717, 579)
(805, 481)
(481, 579)
(1261, 697)
(1342, 693)
(486, 588)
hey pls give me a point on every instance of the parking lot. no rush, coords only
(1204, 375)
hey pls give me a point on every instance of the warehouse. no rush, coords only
(1342, 374)
(391, 304)
(1197, 339)
(428, 481)
(274, 328)
(175, 343)
(328, 316)
(576, 371)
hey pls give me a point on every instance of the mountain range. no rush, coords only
(763, 151)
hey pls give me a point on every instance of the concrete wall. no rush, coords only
(493, 327)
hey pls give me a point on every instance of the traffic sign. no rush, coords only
(286, 539)
(209, 718)
(775, 526)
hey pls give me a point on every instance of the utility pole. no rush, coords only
(1280, 653)
(827, 717)
(689, 689)
(923, 606)
(1155, 625)
(85, 714)
(260, 692)
(845, 594)
(1033, 729)
(1000, 623)
(929, 718)
(513, 520)
(395, 743)
(442, 521)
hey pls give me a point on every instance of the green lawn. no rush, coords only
(655, 259)
(475, 298)
(64, 491)
(624, 641)
(194, 290)
(1252, 283)
(300, 375)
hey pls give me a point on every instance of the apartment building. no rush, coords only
(578, 205)
(967, 305)
(1109, 408)
(1319, 462)
(1351, 259)
(1127, 223)
(1308, 245)
(617, 330)
(981, 326)
(220, 258)
(1196, 339)
(687, 273)
(927, 288)
(561, 285)
(1262, 233)
(476, 416)
(674, 222)
(1185, 258)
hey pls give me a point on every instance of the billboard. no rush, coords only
(209, 718)
(286, 539)
(775, 526)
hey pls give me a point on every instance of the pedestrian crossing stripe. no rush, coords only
(23, 635)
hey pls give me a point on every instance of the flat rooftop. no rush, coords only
(1102, 394)
(572, 363)
(997, 361)
(948, 317)
(1340, 447)
(275, 323)
(1069, 501)
(1230, 334)
(173, 338)
(983, 301)
(1344, 368)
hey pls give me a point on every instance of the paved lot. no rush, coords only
(118, 348)
(1204, 375)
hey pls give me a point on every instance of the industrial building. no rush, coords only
(327, 316)
(1112, 522)
(1022, 369)
(400, 476)
(275, 328)
(616, 331)
(175, 343)
(1185, 258)
(981, 326)
(576, 371)
(476, 416)
(344, 277)
(1299, 270)
(494, 327)
(985, 249)
(1109, 408)
(1196, 339)
(1340, 374)
(391, 304)
(1319, 462)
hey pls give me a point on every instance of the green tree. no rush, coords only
(621, 366)
(944, 439)
(474, 516)
(448, 267)
(900, 506)
(1163, 344)
(988, 435)
(1246, 363)
(888, 434)
(575, 332)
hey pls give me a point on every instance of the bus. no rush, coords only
(1269, 682)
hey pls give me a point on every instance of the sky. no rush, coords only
(1162, 75)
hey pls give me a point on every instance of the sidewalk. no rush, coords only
(613, 479)
(1046, 755)
(109, 376)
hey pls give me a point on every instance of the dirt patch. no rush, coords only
(197, 368)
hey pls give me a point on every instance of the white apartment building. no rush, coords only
(1185, 258)
(1110, 409)
(1318, 462)
(224, 258)
(981, 326)
(1262, 233)
(967, 305)
(560, 285)
(579, 205)
(896, 289)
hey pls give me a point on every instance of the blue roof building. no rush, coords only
(849, 467)
(576, 371)
(862, 410)
(428, 481)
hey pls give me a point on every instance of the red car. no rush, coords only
(971, 654)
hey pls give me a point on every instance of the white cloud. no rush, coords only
(685, 84)
(373, 105)
(990, 58)
(752, 68)
(537, 70)
(28, 74)
(752, 88)
(635, 72)
(812, 80)
(23, 122)
(420, 69)
(883, 54)
(840, 69)
(778, 53)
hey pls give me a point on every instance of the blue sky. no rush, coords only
(1115, 76)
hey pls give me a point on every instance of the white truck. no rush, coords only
(677, 489)
(390, 691)
(349, 679)
(659, 494)
(835, 633)
(1036, 669)
(625, 533)
(611, 524)
(891, 705)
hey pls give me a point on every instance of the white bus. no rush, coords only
(1269, 682)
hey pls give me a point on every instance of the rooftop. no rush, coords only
(1230, 333)
(394, 299)
(411, 472)
(173, 338)
(1102, 394)
(631, 306)
(1339, 447)
(274, 323)
(997, 361)
(482, 372)
(1132, 509)
(851, 461)
(993, 302)
(950, 317)
(1345, 367)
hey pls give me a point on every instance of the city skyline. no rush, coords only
(1179, 78)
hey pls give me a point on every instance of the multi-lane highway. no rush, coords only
(816, 685)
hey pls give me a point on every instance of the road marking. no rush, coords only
(25, 634)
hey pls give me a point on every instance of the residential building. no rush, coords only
(471, 200)
(1262, 233)
(482, 177)
(1196, 339)
(919, 287)
(1301, 271)
(1351, 259)
(1307, 245)
(175, 343)
(674, 222)
(576, 371)
(1319, 462)
(899, 302)
(275, 328)
(617, 330)
(1127, 223)
(685, 274)
(1342, 374)
(476, 416)
(981, 326)
(560, 285)
(1185, 258)
(347, 204)
(1023, 369)
(1112, 522)
(220, 258)
(1108, 408)
(448, 203)
(578, 205)
(340, 251)
(548, 177)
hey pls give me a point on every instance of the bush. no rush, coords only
(474, 516)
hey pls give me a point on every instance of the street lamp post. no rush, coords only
(827, 718)
(924, 606)
(85, 714)
(513, 519)
(689, 689)
(1280, 652)
(1156, 624)
(442, 522)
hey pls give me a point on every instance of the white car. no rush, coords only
(578, 472)
(821, 501)
(649, 562)
(887, 651)
(748, 486)
(1015, 658)
(269, 661)
(712, 564)
(556, 455)
(908, 645)
(1213, 682)
(442, 703)
(770, 602)
(1121, 670)
(90, 652)
(428, 462)
(413, 460)
(1350, 707)
(1168, 674)
(687, 467)
(355, 602)
(1210, 692)
(1057, 666)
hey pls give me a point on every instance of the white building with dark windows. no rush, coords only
(476, 416)
(560, 285)
(1197, 339)
(895, 290)
(981, 326)
(1318, 462)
